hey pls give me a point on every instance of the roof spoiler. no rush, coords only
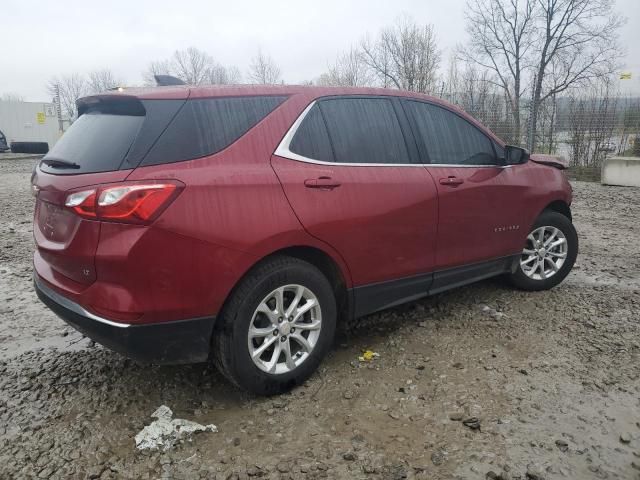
(111, 104)
(167, 80)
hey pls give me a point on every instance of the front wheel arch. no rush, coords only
(561, 207)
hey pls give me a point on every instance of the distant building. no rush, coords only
(30, 122)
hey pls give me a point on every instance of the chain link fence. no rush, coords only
(584, 127)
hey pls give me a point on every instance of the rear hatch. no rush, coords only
(111, 136)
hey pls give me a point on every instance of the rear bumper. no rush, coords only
(182, 341)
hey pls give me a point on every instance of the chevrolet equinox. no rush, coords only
(240, 224)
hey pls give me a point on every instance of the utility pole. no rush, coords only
(56, 101)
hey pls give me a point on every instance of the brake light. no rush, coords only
(129, 203)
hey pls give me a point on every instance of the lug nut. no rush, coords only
(280, 319)
(284, 337)
(275, 332)
(293, 329)
(291, 319)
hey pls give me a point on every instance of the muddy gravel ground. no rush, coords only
(553, 379)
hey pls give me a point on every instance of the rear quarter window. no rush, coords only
(206, 126)
(312, 140)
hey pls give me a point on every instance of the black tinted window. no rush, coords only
(364, 130)
(96, 141)
(206, 126)
(312, 140)
(449, 138)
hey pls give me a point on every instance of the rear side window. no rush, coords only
(206, 126)
(448, 138)
(96, 141)
(364, 130)
(312, 139)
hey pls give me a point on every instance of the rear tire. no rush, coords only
(549, 253)
(261, 349)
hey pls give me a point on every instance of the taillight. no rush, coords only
(83, 203)
(128, 203)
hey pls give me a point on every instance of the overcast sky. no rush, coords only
(39, 39)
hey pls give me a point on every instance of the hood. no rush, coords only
(557, 161)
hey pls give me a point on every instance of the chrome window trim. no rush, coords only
(283, 151)
(460, 165)
(74, 307)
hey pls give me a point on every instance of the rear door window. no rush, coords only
(208, 125)
(364, 130)
(448, 138)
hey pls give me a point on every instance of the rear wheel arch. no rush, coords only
(320, 259)
(331, 269)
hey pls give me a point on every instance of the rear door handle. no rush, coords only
(325, 183)
(451, 181)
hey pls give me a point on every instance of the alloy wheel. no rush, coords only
(544, 254)
(284, 329)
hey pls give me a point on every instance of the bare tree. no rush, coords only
(477, 92)
(500, 40)
(578, 43)
(349, 70)
(192, 65)
(404, 56)
(159, 67)
(12, 97)
(592, 120)
(221, 75)
(101, 80)
(264, 70)
(71, 88)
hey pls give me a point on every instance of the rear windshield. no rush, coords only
(97, 142)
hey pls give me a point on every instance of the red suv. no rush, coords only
(242, 223)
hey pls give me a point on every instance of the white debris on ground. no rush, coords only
(492, 312)
(165, 432)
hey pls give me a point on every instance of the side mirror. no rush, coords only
(515, 155)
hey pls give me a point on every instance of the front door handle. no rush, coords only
(451, 181)
(324, 183)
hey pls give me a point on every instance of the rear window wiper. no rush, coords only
(57, 163)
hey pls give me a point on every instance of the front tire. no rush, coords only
(276, 327)
(549, 253)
